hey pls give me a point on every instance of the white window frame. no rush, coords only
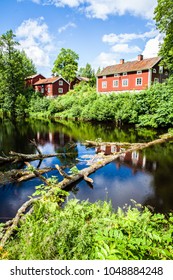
(156, 80)
(160, 69)
(60, 83)
(115, 83)
(127, 82)
(48, 89)
(60, 90)
(42, 88)
(104, 84)
(104, 77)
(137, 79)
(125, 74)
(154, 70)
(116, 75)
(139, 72)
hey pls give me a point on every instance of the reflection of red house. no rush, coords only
(131, 75)
(135, 158)
(58, 139)
(29, 81)
(107, 149)
(52, 86)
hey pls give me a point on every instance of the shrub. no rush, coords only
(85, 231)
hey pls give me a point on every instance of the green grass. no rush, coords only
(85, 231)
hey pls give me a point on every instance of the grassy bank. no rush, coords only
(152, 107)
(85, 231)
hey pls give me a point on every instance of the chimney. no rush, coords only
(140, 57)
(122, 61)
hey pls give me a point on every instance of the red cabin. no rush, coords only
(52, 87)
(29, 81)
(131, 76)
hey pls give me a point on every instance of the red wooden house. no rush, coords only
(77, 80)
(52, 87)
(29, 81)
(131, 76)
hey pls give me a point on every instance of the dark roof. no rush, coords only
(130, 66)
(49, 81)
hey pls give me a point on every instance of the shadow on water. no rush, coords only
(145, 176)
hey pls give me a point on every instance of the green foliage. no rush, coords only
(74, 170)
(86, 231)
(38, 104)
(152, 107)
(164, 22)
(88, 72)
(66, 64)
(20, 106)
(14, 68)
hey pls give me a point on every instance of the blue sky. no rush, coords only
(99, 31)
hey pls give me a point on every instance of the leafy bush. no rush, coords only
(152, 107)
(86, 231)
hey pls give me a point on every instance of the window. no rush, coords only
(104, 84)
(154, 70)
(125, 74)
(139, 72)
(60, 83)
(42, 89)
(116, 75)
(138, 81)
(60, 90)
(124, 82)
(113, 149)
(156, 80)
(160, 69)
(104, 77)
(115, 83)
(48, 89)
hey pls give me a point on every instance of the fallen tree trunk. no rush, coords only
(15, 221)
(17, 176)
(19, 157)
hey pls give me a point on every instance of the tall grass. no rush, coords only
(85, 231)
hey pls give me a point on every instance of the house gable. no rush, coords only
(31, 80)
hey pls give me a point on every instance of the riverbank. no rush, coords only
(152, 107)
(85, 231)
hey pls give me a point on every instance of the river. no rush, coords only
(145, 177)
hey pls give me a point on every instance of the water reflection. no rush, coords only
(135, 159)
(144, 176)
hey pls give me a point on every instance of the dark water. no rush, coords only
(146, 176)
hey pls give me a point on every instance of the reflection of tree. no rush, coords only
(107, 131)
(15, 136)
(162, 177)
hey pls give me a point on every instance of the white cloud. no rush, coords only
(68, 25)
(152, 46)
(125, 48)
(127, 37)
(36, 41)
(104, 8)
(62, 3)
(104, 59)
